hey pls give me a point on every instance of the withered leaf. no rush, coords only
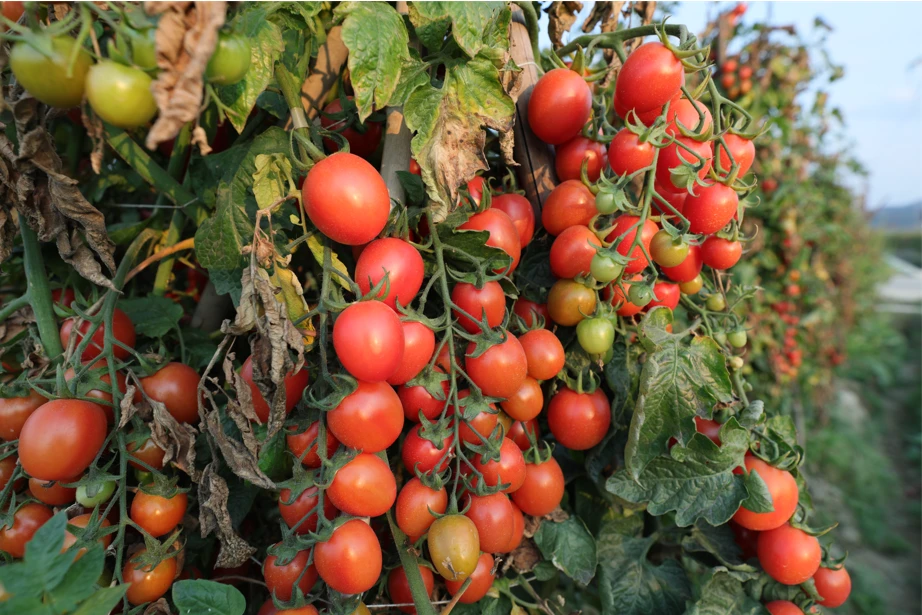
(213, 515)
(13, 326)
(524, 558)
(240, 458)
(200, 138)
(176, 439)
(160, 607)
(561, 17)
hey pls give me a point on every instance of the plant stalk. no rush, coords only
(39, 292)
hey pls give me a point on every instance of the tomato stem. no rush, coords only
(39, 292)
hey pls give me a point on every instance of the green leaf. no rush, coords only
(469, 23)
(378, 42)
(201, 596)
(759, 500)
(413, 186)
(545, 571)
(103, 601)
(79, 582)
(570, 547)
(695, 482)
(414, 73)
(533, 276)
(272, 179)
(719, 542)
(43, 552)
(274, 460)
(152, 316)
(679, 380)
(17, 579)
(316, 249)
(465, 248)
(227, 283)
(220, 239)
(266, 47)
(724, 595)
(629, 584)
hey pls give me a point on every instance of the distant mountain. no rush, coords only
(900, 218)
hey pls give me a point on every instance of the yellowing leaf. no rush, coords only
(316, 249)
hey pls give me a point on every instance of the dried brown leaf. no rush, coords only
(128, 407)
(213, 515)
(240, 458)
(523, 559)
(15, 324)
(160, 607)
(176, 439)
(561, 17)
(200, 138)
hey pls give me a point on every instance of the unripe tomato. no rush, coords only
(833, 585)
(454, 547)
(676, 155)
(627, 155)
(230, 61)
(92, 496)
(156, 515)
(120, 94)
(595, 335)
(61, 439)
(640, 294)
(520, 211)
(579, 421)
(624, 232)
(568, 302)
(738, 338)
(368, 339)
(667, 251)
(175, 385)
(789, 555)
(784, 494)
(481, 581)
(605, 202)
(569, 159)
(542, 490)
(414, 502)
(560, 105)
(47, 78)
(398, 587)
(402, 264)
(369, 419)
(364, 487)
(122, 330)
(26, 521)
(604, 268)
(693, 286)
(148, 585)
(294, 388)
(688, 269)
(14, 411)
(350, 561)
(716, 303)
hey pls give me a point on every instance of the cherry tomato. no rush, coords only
(788, 555)
(665, 294)
(624, 232)
(12, 10)
(122, 331)
(346, 199)
(62, 296)
(7, 469)
(501, 370)
(350, 561)
(148, 452)
(421, 454)
(650, 77)
(710, 208)
(604, 268)
(503, 233)
(417, 399)
(26, 522)
(688, 269)
(716, 303)
(61, 439)
(281, 580)
(364, 487)
(493, 516)
(519, 431)
(489, 300)
(402, 264)
(742, 150)
(595, 335)
(369, 419)
(719, 253)
(783, 490)
(156, 515)
(833, 585)
(627, 155)
(368, 339)
(418, 346)
(709, 428)
(542, 490)
(415, 168)
(294, 388)
(570, 156)
(783, 607)
(230, 61)
(675, 199)
(100, 494)
(572, 252)
(483, 423)
(621, 298)
(398, 587)
(527, 402)
(363, 143)
(303, 507)
(148, 585)
(509, 468)
(175, 385)
(568, 302)
(569, 204)
(481, 581)
(82, 521)
(579, 421)
(120, 95)
(529, 311)
(268, 608)
(693, 286)
(667, 251)
(47, 78)
(684, 112)
(560, 105)
(675, 155)
(414, 502)
(543, 352)
(14, 411)
(518, 529)
(55, 494)
(520, 211)
(454, 546)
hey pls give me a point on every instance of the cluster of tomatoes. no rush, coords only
(736, 78)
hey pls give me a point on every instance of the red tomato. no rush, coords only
(55, 494)
(481, 581)
(101, 369)
(176, 387)
(788, 555)
(503, 233)
(304, 445)
(158, 516)
(483, 423)
(417, 399)
(418, 346)
(62, 296)
(281, 580)
(527, 402)
(626, 154)
(689, 269)
(746, 540)
(510, 468)
(421, 454)
(364, 487)
(350, 561)
(148, 452)
(82, 521)
(346, 199)
(833, 585)
(620, 299)
(361, 144)
(529, 311)
(623, 227)
(148, 585)
(650, 77)
(26, 522)
(719, 253)
(7, 469)
(783, 607)
(304, 507)
(519, 431)
(294, 388)
(414, 502)
(14, 411)
(666, 294)
(579, 421)
(709, 428)
(12, 10)
(414, 167)
(398, 587)
(520, 211)
(122, 331)
(567, 205)
(710, 208)
(674, 156)
(783, 490)
(542, 490)
(489, 300)
(683, 111)
(268, 608)
(572, 252)
(560, 105)
(402, 264)
(570, 156)
(369, 419)
(368, 339)
(492, 516)
(543, 353)
(61, 439)
(501, 370)
(742, 150)
(475, 188)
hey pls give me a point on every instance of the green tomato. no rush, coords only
(595, 335)
(46, 77)
(716, 303)
(738, 338)
(230, 61)
(640, 294)
(604, 268)
(606, 356)
(144, 49)
(100, 494)
(143, 476)
(605, 203)
(120, 94)
(736, 363)
(720, 337)
(667, 251)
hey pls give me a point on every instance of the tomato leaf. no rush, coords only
(719, 542)
(103, 601)
(570, 547)
(78, 583)
(43, 552)
(201, 596)
(721, 594)
(219, 240)
(469, 21)
(152, 316)
(272, 179)
(227, 282)
(316, 248)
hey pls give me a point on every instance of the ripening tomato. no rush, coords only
(454, 546)
(414, 502)
(492, 516)
(61, 439)
(665, 294)
(719, 253)
(12, 10)
(688, 269)
(120, 95)
(742, 150)
(418, 346)
(624, 232)
(26, 521)
(783, 491)
(362, 141)
(368, 339)
(569, 204)
(783, 607)
(148, 585)
(501, 370)
(50, 79)
(650, 77)
(543, 352)
(481, 581)
(569, 158)
(503, 233)
(542, 490)
(369, 419)
(294, 388)
(519, 431)
(509, 468)
(627, 155)
(527, 402)
(350, 561)
(529, 311)
(483, 423)
(175, 385)
(693, 286)
(364, 487)
(579, 421)
(293, 510)
(710, 208)
(63, 296)
(14, 411)
(568, 302)
(572, 252)
(416, 399)
(676, 155)
(685, 112)
(489, 300)
(789, 555)
(421, 454)
(667, 251)
(156, 515)
(54, 494)
(346, 199)
(560, 105)
(230, 61)
(397, 259)
(122, 331)
(520, 211)
(833, 585)
(82, 521)
(281, 580)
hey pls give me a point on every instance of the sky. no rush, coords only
(881, 93)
